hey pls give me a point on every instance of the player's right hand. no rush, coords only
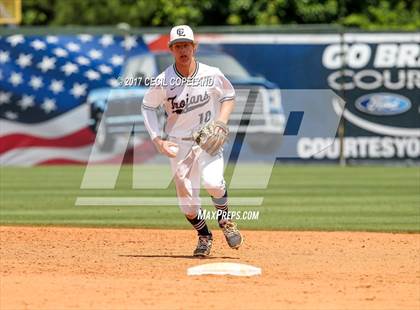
(166, 147)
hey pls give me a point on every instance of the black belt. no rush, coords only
(183, 138)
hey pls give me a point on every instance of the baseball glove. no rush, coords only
(212, 137)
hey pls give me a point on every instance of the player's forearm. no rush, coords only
(226, 110)
(151, 123)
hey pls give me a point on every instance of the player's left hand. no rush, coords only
(212, 136)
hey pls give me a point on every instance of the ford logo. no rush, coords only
(383, 104)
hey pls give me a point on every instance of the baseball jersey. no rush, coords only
(190, 102)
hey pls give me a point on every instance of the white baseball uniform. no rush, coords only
(188, 107)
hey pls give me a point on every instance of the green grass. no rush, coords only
(297, 198)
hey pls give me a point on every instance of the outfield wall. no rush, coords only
(377, 74)
(45, 80)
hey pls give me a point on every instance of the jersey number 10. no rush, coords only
(205, 117)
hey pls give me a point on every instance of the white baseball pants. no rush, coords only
(191, 167)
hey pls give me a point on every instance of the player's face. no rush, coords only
(183, 52)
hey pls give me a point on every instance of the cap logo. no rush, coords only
(180, 32)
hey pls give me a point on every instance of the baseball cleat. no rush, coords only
(232, 234)
(204, 246)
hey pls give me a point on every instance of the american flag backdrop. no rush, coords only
(44, 83)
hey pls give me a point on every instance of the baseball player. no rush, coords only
(198, 100)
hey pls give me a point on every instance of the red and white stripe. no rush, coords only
(64, 140)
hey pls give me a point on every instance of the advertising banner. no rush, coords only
(377, 75)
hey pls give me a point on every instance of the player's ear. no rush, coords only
(195, 47)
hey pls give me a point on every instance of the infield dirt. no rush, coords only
(89, 268)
